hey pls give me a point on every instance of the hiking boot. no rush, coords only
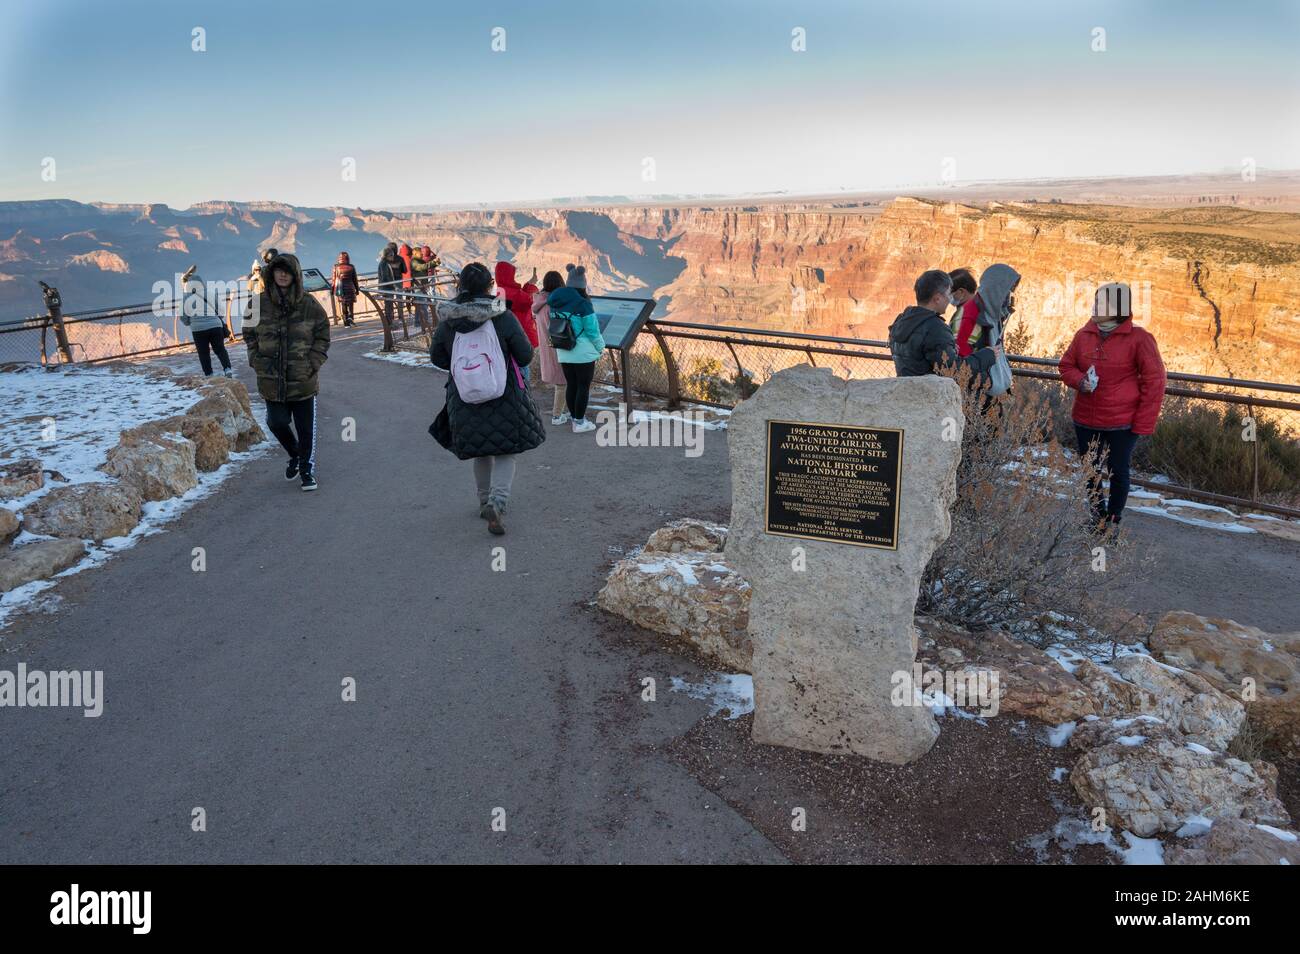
(562, 418)
(495, 524)
(228, 373)
(291, 469)
(308, 479)
(582, 426)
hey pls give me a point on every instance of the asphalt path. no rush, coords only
(482, 694)
(477, 689)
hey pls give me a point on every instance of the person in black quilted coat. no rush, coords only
(492, 432)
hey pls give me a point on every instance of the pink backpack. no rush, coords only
(477, 365)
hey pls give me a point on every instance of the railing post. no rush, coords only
(1254, 490)
(670, 366)
(627, 380)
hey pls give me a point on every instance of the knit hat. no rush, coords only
(577, 276)
(475, 279)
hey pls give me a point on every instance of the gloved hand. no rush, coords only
(980, 362)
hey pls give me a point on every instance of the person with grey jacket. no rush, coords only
(205, 323)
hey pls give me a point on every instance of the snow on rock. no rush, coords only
(85, 426)
(69, 418)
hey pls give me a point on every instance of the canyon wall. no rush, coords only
(1214, 285)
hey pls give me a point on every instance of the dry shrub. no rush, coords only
(1252, 742)
(1022, 554)
(1200, 445)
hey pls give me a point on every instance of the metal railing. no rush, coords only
(1203, 418)
(150, 328)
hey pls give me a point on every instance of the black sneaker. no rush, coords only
(483, 511)
(308, 479)
(291, 469)
(495, 524)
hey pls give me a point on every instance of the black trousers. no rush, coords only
(1112, 453)
(345, 307)
(577, 378)
(214, 339)
(301, 445)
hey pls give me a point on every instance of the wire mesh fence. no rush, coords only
(1217, 438)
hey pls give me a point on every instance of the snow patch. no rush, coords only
(733, 692)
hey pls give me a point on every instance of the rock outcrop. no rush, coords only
(687, 535)
(1148, 785)
(1233, 657)
(158, 466)
(20, 477)
(9, 526)
(1032, 684)
(691, 594)
(38, 560)
(1232, 841)
(85, 511)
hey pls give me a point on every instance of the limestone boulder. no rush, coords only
(687, 535)
(20, 477)
(232, 386)
(39, 560)
(9, 526)
(695, 596)
(85, 511)
(1152, 784)
(1138, 684)
(158, 466)
(1232, 841)
(1129, 730)
(1227, 654)
(223, 405)
(1031, 683)
(211, 447)
(832, 623)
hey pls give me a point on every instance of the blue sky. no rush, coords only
(586, 91)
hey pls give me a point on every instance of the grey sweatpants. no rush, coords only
(493, 477)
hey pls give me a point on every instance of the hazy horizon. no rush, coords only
(583, 95)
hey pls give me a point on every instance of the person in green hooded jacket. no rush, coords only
(287, 343)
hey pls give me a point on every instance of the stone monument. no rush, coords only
(840, 494)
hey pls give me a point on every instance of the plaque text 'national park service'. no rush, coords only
(835, 482)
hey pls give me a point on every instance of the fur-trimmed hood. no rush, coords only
(466, 314)
(290, 263)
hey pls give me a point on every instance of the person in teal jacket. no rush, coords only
(579, 362)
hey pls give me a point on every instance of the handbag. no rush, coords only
(560, 330)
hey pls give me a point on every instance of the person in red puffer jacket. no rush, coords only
(1116, 369)
(520, 300)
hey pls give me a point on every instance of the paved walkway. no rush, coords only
(476, 689)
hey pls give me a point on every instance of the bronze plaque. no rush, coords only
(836, 482)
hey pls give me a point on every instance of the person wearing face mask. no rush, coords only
(1119, 379)
(919, 339)
(965, 325)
